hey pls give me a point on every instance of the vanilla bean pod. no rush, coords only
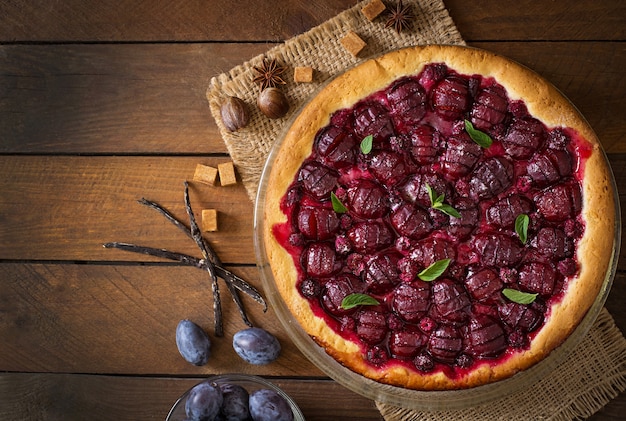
(212, 257)
(197, 237)
(151, 251)
(184, 228)
(233, 282)
(237, 282)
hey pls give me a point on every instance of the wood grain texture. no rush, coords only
(134, 98)
(122, 319)
(60, 208)
(84, 202)
(70, 318)
(150, 98)
(62, 397)
(102, 103)
(530, 20)
(130, 20)
(263, 20)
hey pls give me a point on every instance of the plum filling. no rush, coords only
(390, 230)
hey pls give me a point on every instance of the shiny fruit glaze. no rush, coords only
(390, 232)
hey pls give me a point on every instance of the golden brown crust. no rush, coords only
(545, 103)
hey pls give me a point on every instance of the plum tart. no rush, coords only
(439, 218)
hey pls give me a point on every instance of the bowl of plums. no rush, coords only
(239, 397)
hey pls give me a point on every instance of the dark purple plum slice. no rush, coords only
(320, 259)
(538, 277)
(553, 243)
(524, 137)
(460, 155)
(486, 338)
(381, 273)
(451, 97)
(368, 237)
(368, 199)
(317, 223)
(407, 343)
(550, 167)
(504, 212)
(336, 146)
(338, 288)
(411, 301)
(372, 118)
(450, 302)
(489, 108)
(424, 144)
(445, 343)
(499, 250)
(484, 285)
(491, 177)
(317, 179)
(411, 221)
(560, 202)
(407, 100)
(371, 326)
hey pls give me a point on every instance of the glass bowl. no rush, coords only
(398, 396)
(248, 382)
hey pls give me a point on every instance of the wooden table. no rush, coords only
(103, 102)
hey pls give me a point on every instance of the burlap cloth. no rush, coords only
(591, 376)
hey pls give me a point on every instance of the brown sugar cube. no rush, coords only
(353, 43)
(205, 174)
(209, 220)
(303, 74)
(227, 174)
(373, 9)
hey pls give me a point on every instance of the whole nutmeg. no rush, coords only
(234, 113)
(273, 103)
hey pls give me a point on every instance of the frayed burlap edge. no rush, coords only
(319, 48)
(592, 375)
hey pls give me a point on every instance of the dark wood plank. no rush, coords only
(73, 396)
(141, 98)
(60, 208)
(150, 98)
(263, 20)
(105, 319)
(112, 98)
(122, 319)
(130, 20)
(539, 21)
(65, 208)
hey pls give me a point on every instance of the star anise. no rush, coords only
(400, 18)
(269, 74)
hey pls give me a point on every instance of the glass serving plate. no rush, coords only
(248, 382)
(398, 396)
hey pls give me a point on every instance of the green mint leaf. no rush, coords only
(519, 297)
(337, 205)
(447, 209)
(434, 271)
(431, 194)
(358, 299)
(366, 144)
(521, 227)
(481, 138)
(436, 202)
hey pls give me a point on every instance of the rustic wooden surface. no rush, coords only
(102, 103)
